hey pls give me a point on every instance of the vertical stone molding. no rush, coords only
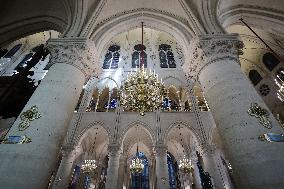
(162, 174)
(210, 165)
(113, 166)
(195, 173)
(56, 98)
(215, 65)
(122, 170)
(62, 178)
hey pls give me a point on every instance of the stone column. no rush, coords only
(29, 166)
(215, 64)
(62, 178)
(162, 174)
(113, 166)
(210, 166)
(152, 166)
(122, 170)
(195, 173)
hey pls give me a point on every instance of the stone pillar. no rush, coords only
(122, 170)
(195, 173)
(113, 166)
(62, 178)
(29, 166)
(210, 166)
(152, 178)
(215, 64)
(162, 174)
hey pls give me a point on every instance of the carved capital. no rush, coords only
(68, 147)
(114, 150)
(78, 52)
(160, 150)
(207, 49)
(208, 150)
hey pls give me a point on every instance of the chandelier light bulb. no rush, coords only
(136, 165)
(185, 165)
(89, 166)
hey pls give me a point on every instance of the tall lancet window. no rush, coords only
(139, 56)
(112, 57)
(167, 59)
(270, 61)
(172, 171)
(13, 51)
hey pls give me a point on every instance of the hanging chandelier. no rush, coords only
(185, 165)
(136, 165)
(142, 90)
(89, 166)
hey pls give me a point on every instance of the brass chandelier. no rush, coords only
(136, 165)
(89, 166)
(185, 165)
(142, 90)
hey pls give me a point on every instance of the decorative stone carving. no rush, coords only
(160, 150)
(261, 113)
(208, 150)
(206, 49)
(28, 116)
(78, 52)
(114, 150)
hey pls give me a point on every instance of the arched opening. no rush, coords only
(270, 61)
(138, 146)
(140, 180)
(92, 145)
(182, 144)
(254, 77)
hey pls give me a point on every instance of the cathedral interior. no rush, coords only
(151, 94)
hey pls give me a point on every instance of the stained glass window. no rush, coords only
(270, 61)
(25, 60)
(38, 48)
(112, 104)
(254, 77)
(139, 56)
(3, 52)
(172, 170)
(112, 57)
(166, 104)
(167, 59)
(75, 177)
(13, 51)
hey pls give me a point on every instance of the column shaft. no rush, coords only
(29, 166)
(211, 167)
(256, 164)
(56, 99)
(162, 174)
(112, 169)
(64, 171)
(196, 176)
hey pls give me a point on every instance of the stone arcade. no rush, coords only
(63, 65)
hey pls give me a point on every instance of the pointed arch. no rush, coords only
(192, 130)
(146, 127)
